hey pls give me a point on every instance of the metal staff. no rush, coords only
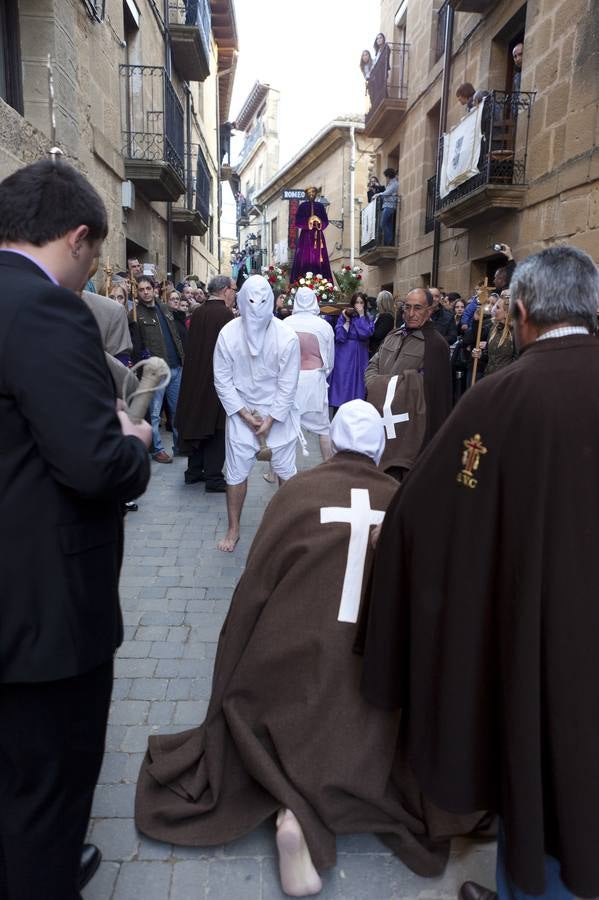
(484, 290)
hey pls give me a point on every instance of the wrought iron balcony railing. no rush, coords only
(387, 89)
(190, 24)
(379, 228)
(152, 120)
(504, 146)
(191, 215)
(251, 140)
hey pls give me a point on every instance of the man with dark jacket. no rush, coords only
(68, 462)
(161, 337)
(443, 319)
(200, 414)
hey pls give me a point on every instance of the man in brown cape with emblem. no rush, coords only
(408, 381)
(287, 731)
(496, 668)
(200, 414)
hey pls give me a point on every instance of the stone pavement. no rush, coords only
(175, 591)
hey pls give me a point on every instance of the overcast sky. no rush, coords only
(310, 51)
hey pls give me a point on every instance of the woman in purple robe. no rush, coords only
(311, 253)
(352, 334)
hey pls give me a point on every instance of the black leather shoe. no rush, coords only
(193, 479)
(216, 487)
(470, 890)
(90, 860)
(130, 506)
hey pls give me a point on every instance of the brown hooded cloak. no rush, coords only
(495, 663)
(286, 725)
(199, 411)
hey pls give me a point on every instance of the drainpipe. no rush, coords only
(189, 179)
(352, 192)
(169, 205)
(219, 75)
(442, 128)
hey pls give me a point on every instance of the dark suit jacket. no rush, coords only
(65, 470)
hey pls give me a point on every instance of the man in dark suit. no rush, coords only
(68, 462)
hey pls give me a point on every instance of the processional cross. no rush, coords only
(389, 419)
(360, 517)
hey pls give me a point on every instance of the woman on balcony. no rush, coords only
(352, 334)
(366, 64)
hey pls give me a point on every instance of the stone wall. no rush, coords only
(86, 57)
(561, 63)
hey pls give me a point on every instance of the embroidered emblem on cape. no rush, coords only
(474, 449)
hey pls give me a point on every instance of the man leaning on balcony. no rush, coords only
(388, 201)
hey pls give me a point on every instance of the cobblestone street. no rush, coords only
(175, 590)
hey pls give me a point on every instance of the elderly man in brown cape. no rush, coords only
(497, 668)
(408, 380)
(200, 414)
(286, 731)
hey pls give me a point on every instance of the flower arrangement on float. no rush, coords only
(349, 279)
(277, 277)
(326, 292)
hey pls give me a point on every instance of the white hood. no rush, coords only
(255, 301)
(358, 427)
(305, 302)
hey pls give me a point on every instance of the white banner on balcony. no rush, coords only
(461, 151)
(368, 223)
(280, 253)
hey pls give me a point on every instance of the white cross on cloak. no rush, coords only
(388, 418)
(360, 517)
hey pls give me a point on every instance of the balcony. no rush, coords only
(500, 182)
(378, 242)
(152, 132)
(251, 139)
(473, 6)
(387, 91)
(189, 25)
(191, 216)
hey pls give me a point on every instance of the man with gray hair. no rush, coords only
(497, 673)
(200, 414)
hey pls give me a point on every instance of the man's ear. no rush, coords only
(519, 312)
(76, 237)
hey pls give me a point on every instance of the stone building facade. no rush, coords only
(140, 89)
(539, 178)
(258, 161)
(324, 162)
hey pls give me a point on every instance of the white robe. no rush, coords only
(313, 390)
(266, 383)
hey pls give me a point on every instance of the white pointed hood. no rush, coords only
(305, 302)
(255, 301)
(357, 427)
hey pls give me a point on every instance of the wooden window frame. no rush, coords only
(10, 31)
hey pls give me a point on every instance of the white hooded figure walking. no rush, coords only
(317, 349)
(256, 371)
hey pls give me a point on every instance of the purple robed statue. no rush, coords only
(311, 253)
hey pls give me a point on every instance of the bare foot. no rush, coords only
(299, 878)
(227, 544)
